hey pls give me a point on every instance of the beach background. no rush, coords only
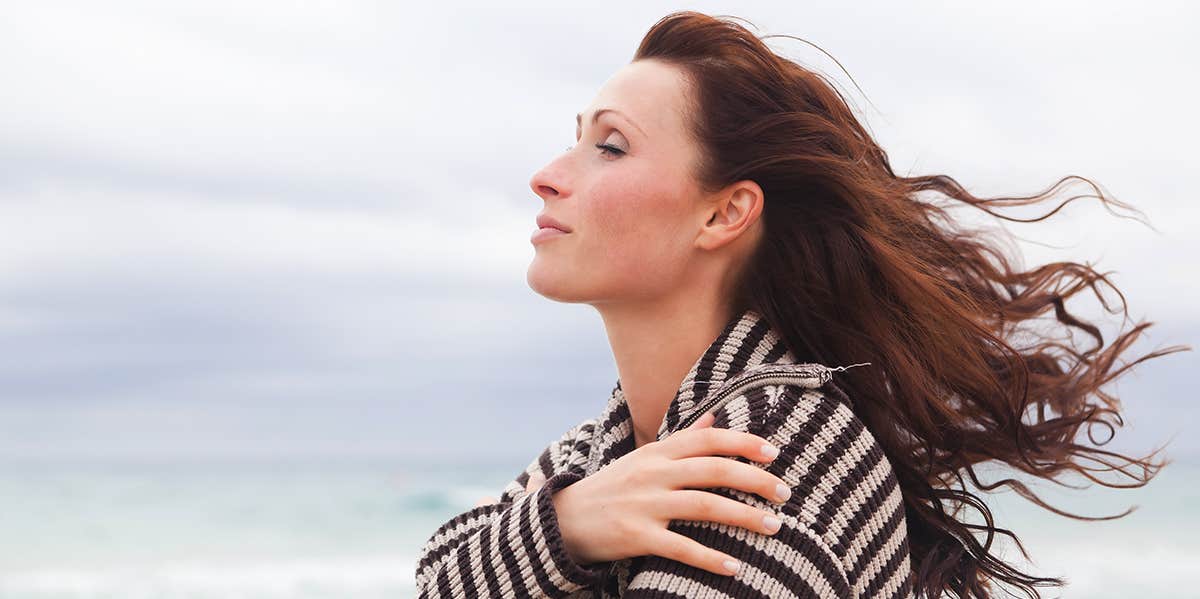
(310, 529)
(264, 322)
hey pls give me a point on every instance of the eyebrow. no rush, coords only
(596, 117)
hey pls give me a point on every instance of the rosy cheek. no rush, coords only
(609, 207)
(629, 213)
(643, 237)
(615, 227)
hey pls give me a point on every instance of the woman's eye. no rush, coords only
(605, 149)
(610, 149)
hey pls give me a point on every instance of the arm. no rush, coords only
(512, 548)
(832, 465)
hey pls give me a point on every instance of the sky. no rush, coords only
(233, 230)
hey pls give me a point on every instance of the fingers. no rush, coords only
(672, 545)
(717, 441)
(705, 420)
(693, 504)
(708, 471)
(486, 501)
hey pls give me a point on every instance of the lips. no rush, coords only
(545, 221)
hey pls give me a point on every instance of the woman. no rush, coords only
(738, 230)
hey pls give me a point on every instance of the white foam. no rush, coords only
(1106, 569)
(261, 578)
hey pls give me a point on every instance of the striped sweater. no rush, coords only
(843, 533)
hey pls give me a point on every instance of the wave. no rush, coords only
(337, 576)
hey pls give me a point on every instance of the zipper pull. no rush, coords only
(850, 366)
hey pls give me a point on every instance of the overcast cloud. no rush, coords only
(233, 228)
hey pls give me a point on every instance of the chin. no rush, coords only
(552, 283)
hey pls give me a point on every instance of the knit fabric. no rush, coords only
(844, 534)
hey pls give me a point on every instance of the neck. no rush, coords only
(654, 347)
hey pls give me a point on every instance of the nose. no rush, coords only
(549, 182)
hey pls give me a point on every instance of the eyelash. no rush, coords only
(610, 149)
(605, 148)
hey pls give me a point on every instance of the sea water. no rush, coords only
(344, 528)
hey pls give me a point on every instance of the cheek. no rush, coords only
(638, 230)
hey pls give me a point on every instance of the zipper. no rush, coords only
(783, 374)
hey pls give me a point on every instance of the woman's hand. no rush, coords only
(623, 509)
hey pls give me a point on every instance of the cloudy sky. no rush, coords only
(244, 229)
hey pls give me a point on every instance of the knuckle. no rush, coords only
(686, 550)
(716, 468)
(673, 547)
(633, 475)
(703, 505)
(631, 480)
(635, 479)
(624, 528)
(682, 547)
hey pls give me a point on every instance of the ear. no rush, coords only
(730, 214)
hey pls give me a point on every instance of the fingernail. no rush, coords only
(731, 565)
(770, 451)
(782, 492)
(772, 523)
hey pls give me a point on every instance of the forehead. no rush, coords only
(649, 92)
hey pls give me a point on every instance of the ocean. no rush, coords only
(352, 529)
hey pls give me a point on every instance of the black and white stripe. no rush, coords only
(512, 548)
(843, 535)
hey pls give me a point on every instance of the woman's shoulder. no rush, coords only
(819, 435)
(779, 409)
(844, 488)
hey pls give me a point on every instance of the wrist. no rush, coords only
(562, 500)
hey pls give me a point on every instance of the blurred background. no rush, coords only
(245, 246)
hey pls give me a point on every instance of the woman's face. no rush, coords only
(631, 207)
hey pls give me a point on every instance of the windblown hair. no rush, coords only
(857, 264)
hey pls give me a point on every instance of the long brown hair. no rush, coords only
(858, 264)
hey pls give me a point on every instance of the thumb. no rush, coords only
(536, 480)
(706, 420)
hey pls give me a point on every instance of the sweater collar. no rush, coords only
(747, 341)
